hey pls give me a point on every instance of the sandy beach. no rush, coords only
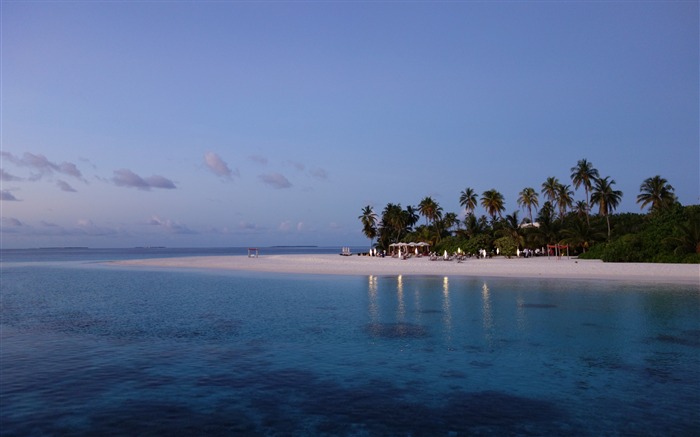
(541, 267)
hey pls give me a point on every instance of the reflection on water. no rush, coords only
(373, 306)
(486, 312)
(447, 314)
(401, 309)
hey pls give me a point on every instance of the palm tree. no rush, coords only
(584, 174)
(369, 223)
(393, 223)
(657, 192)
(430, 210)
(493, 202)
(411, 216)
(605, 197)
(467, 199)
(449, 220)
(527, 199)
(581, 209)
(565, 199)
(581, 234)
(550, 188)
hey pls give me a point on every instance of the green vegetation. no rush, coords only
(668, 232)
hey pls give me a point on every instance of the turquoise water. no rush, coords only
(89, 349)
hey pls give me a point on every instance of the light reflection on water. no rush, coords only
(92, 350)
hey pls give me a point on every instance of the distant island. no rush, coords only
(295, 247)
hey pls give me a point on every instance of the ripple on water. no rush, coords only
(396, 330)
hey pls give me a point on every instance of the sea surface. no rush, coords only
(88, 348)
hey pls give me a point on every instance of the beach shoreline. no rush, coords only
(539, 267)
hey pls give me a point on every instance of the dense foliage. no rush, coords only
(667, 232)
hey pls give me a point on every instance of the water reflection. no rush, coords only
(446, 313)
(401, 310)
(486, 311)
(373, 306)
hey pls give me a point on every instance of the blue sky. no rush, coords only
(270, 123)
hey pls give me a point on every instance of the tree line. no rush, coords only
(666, 232)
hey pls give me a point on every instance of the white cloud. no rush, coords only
(218, 166)
(319, 173)
(45, 167)
(7, 177)
(6, 195)
(258, 159)
(127, 178)
(285, 226)
(10, 222)
(275, 180)
(65, 186)
(297, 165)
(170, 226)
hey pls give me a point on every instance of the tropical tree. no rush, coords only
(565, 199)
(449, 220)
(511, 229)
(412, 216)
(605, 197)
(493, 202)
(369, 223)
(581, 209)
(528, 199)
(429, 209)
(550, 189)
(656, 192)
(468, 199)
(580, 234)
(583, 174)
(393, 224)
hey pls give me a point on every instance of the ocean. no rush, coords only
(88, 348)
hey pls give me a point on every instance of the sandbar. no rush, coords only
(538, 267)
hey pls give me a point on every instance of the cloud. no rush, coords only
(10, 222)
(6, 195)
(319, 173)
(287, 226)
(248, 226)
(218, 166)
(275, 180)
(64, 186)
(7, 177)
(127, 178)
(170, 226)
(87, 227)
(258, 159)
(45, 167)
(297, 165)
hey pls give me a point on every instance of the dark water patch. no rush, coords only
(430, 312)
(327, 308)
(605, 362)
(537, 305)
(314, 330)
(396, 330)
(500, 413)
(481, 364)
(453, 374)
(687, 338)
(161, 418)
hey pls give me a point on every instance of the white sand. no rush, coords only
(541, 267)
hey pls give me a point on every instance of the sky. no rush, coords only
(195, 124)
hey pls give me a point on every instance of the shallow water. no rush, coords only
(92, 349)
